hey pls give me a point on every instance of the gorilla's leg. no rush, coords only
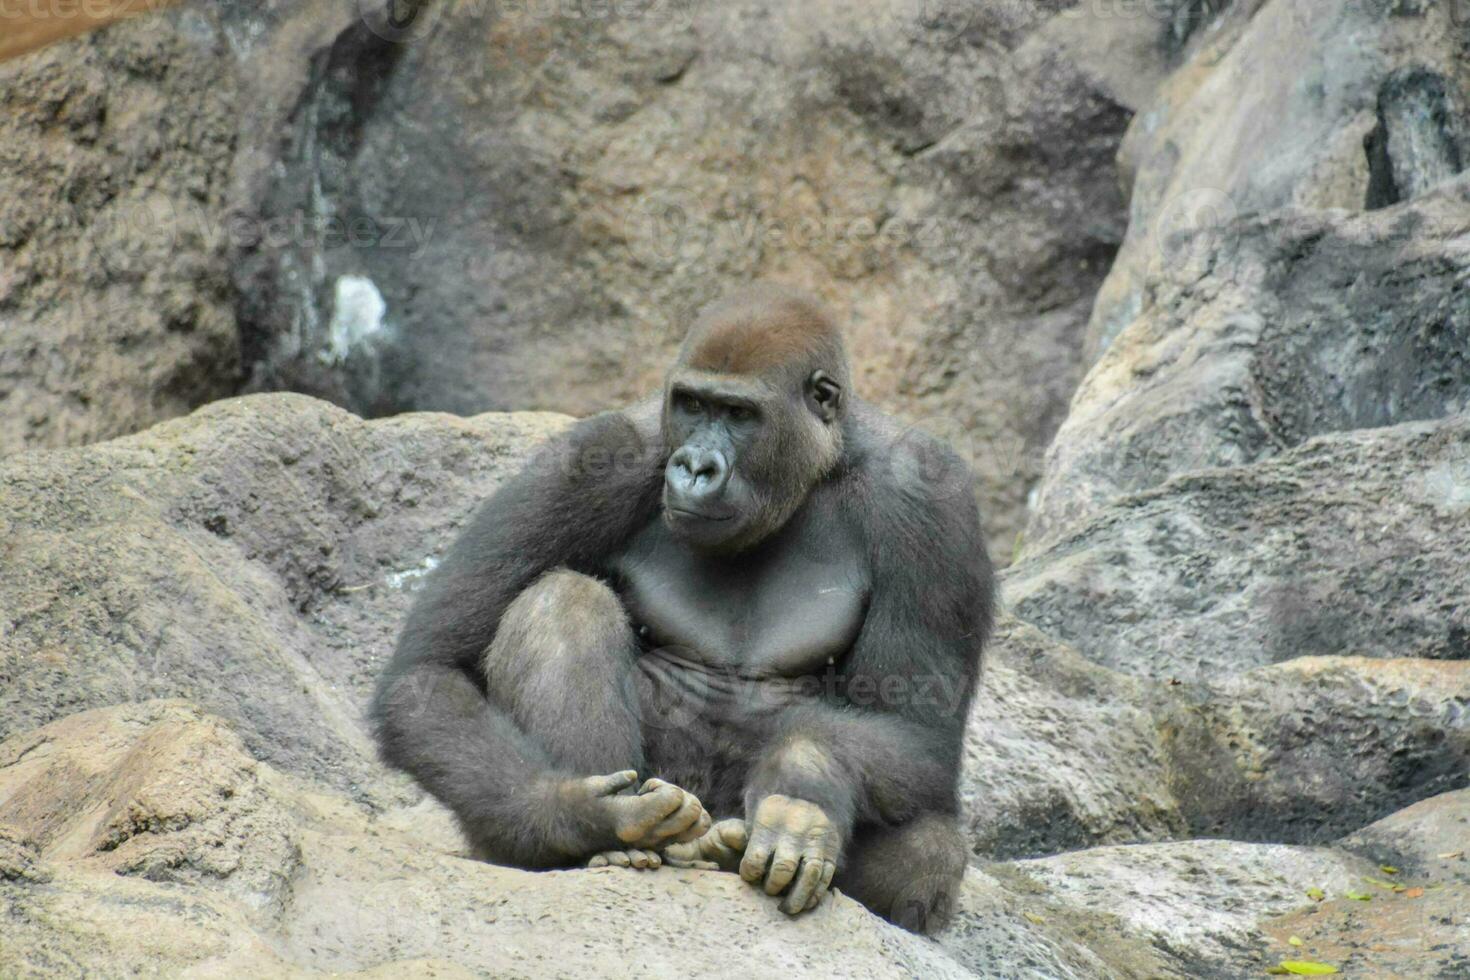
(908, 874)
(562, 666)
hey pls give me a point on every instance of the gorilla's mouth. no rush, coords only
(694, 515)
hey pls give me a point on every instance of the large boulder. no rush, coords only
(1204, 903)
(144, 838)
(1356, 543)
(1285, 103)
(582, 177)
(1063, 754)
(1304, 323)
(256, 557)
(1306, 750)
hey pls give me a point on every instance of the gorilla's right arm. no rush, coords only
(579, 498)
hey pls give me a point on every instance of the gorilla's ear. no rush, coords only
(824, 396)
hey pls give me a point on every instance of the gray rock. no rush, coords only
(168, 849)
(1062, 754)
(1304, 323)
(1200, 902)
(1353, 105)
(547, 192)
(1356, 543)
(517, 206)
(1304, 751)
(257, 556)
(1427, 841)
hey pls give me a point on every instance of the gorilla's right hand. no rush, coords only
(718, 850)
(658, 814)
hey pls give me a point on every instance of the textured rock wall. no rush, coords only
(518, 206)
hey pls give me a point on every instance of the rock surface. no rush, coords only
(1298, 324)
(1285, 103)
(256, 559)
(1239, 615)
(581, 177)
(1064, 754)
(145, 838)
(116, 303)
(1355, 543)
(169, 849)
(599, 170)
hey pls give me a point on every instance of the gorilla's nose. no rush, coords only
(696, 474)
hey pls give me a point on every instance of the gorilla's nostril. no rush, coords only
(697, 472)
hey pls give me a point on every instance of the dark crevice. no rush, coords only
(349, 83)
(1184, 21)
(1383, 191)
(1417, 141)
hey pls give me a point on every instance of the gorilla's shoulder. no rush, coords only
(621, 445)
(906, 459)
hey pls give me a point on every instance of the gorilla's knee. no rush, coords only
(562, 618)
(911, 874)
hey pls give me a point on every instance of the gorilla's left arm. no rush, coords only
(887, 746)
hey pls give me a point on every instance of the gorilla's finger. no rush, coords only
(597, 861)
(681, 822)
(638, 858)
(807, 880)
(757, 853)
(618, 859)
(663, 801)
(783, 866)
(829, 871)
(611, 784)
(696, 865)
(655, 860)
(696, 830)
(732, 833)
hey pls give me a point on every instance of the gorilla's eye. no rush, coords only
(688, 404)
(739, 414)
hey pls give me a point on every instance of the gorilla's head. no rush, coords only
(753, 412)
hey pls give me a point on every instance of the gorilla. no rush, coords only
(755, 593)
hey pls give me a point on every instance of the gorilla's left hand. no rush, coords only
(792, 843)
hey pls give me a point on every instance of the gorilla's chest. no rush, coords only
(782, 611)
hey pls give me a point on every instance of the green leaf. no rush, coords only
(1307, 968)
(1316, 894)
(1388, 869)
(1296, 941)
(1358, 896)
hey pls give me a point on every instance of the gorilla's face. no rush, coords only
(745, 453)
